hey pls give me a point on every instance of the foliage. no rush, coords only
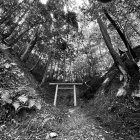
(15, 95)
(60, 41)
(71, 19)
(16, 102)
(9, 70)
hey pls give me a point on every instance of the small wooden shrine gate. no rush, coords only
(63, 86)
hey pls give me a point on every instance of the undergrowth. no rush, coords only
(117, 115)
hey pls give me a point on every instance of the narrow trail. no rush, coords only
(77, 126)
(69, 123)
(73, 123)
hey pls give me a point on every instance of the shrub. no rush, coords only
(18, 102)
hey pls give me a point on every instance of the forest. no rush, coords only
(90, 47)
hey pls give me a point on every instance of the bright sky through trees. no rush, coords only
(43, 1)
(79, 2)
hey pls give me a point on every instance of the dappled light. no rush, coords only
(69, 70)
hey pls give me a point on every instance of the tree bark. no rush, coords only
(22, 34)
(132, 55)
(29, 48)
(13, 27)
(46, 70)
(128, 67)
(113, 53)
(35, 65)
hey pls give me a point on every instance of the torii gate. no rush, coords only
(63, 86)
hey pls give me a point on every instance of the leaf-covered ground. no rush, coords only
(69, 124)
(107, 117)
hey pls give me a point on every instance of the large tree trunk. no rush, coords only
(132, 55)
(113, 53)
(127, 67)
(130, 64)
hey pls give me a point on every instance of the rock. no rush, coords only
(53, 135)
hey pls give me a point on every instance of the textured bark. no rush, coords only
(21, 35)
(29, 48)
(46, 71)
(132, 55)
(35, 65)
(113, 53)
(13, 27)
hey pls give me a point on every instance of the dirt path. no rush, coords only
(83, 128)
(76, 126)
(68, 124)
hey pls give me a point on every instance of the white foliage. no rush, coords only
(47, 137)
(16, 105)
(136, 93)
(23, 98)
(38, 105)
(4, 47)
(71, 111)
(138, 63)
(31, 103)
(6, 97)
(14, 64)
(121, 92)
(7, 65)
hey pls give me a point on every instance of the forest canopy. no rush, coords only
(92, 42)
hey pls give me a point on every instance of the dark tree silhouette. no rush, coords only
(130, 50)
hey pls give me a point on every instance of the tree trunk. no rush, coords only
(57, 75)
(130, 64)
(132, 55)
(10, 55)
(128, 67)
(30, 47)
(13, 27)
(46, 70)
(113, 53)
(22, 34)
(35, 65)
